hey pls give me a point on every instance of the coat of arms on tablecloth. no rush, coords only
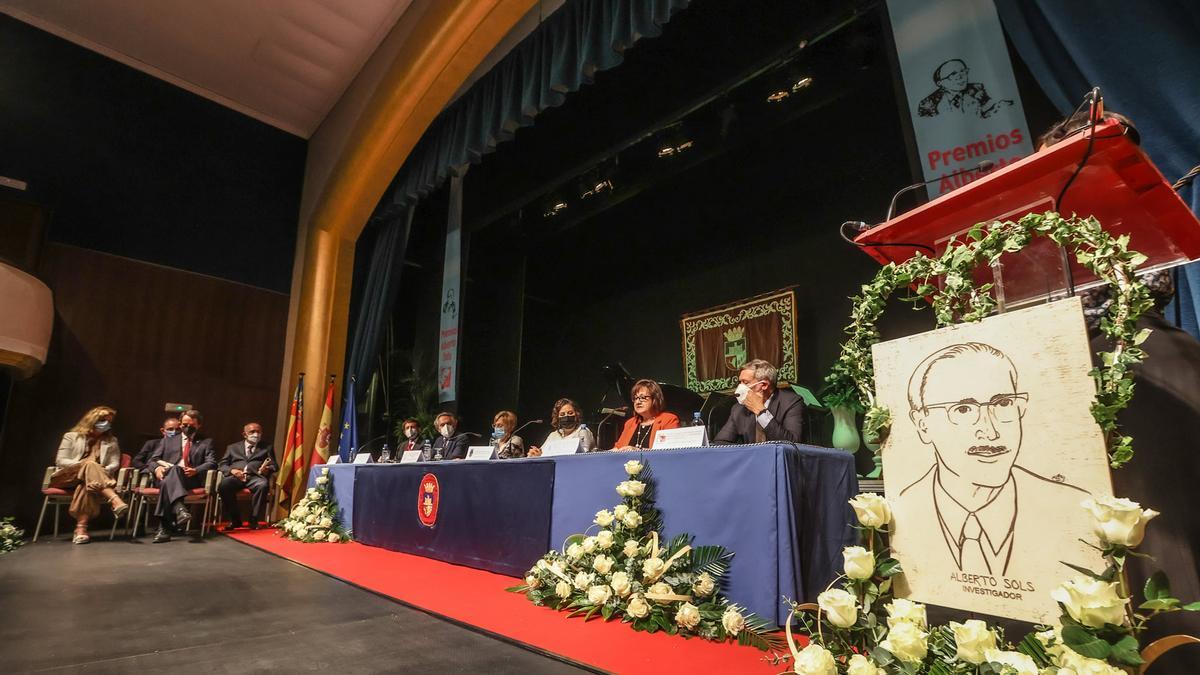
(735, 348)
(427, 500)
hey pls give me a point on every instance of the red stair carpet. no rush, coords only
(478, 598)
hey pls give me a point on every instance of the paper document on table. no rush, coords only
(410, 456)
(480, 452)
(683, 437)
(567, 446)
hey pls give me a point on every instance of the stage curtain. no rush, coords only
(378, 292)
(1145, 58)
(560, 56)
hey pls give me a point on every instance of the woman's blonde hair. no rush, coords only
(506, 419)
(89, 418)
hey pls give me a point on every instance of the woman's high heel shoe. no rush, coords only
(119, 507)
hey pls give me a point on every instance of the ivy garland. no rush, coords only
(851, 380)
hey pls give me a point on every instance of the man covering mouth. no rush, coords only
(987, 450)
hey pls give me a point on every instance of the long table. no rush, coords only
(780, 507)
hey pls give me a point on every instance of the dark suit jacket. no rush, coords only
(202, 457)
(141, 459)
(235, 458)
(786, 408)
(454, 447)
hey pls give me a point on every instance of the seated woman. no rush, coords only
(565, 419)
(88, 459)
(508, 446)
(648, 419)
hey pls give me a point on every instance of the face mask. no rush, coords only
(567, 421)
(741, 392)
(253, 438)
(410, 433)
(103, 426)
(188, 429)
(447, 429)
(498, 432)
(170, 433)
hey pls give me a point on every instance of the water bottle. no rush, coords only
(437, 457)
(583, 442)
(426, 451)
(385, 455)
(696, 421)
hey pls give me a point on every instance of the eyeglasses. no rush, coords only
(642, 397)
(1001, 407)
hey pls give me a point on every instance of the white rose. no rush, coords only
(333, 538)
(840, 607)
(638, 608)
(311, 519)
(322, 480)
(324, 471)
(300, 511)
(632, 519)
(1052, 642)
(620, 511)
(733, 621)
(558, 567)
(319, 535)
(859, 562)
(602, 564)
(633, 467)
(562, 589)
(631, 548)
(598, 595)
(906, 642)
(604, 518)
(636, 488)
(532, 581)
(704, 585)
(589, 544)
(972, 638)
(326, 523)
(313, 493)
(1119, 521)
(622, 489)
(661, 589)
(1016, 660)
(688, 616)
(583, 580)
(861, 665)
(604, 539)
(652, 568)
(621, 584)
(900, 610)
(815, 660)
(1091, 602)
(872, 510)
(1071, 662)
(575, 551)
(542, 564)
(300, 531)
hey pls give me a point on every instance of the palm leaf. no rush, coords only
(714, 560)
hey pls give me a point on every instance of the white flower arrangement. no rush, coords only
(10, 536)
(314, 519)
(626, 572)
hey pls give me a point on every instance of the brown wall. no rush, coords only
(134, 335)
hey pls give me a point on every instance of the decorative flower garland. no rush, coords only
(626, 571)
(851, 380)
(315, 518)
(10, 536)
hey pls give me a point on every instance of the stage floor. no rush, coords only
(476, 598)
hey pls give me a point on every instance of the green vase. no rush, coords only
(845, 429)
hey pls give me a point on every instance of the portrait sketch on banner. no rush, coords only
(991, 450)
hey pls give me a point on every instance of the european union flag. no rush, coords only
(349, 434)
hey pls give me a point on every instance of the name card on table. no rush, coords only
(410, 456)
(683, 437)
(336, 459)
(566, 446)
(480, 452)
(362, 458)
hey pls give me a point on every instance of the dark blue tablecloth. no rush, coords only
(781, 508)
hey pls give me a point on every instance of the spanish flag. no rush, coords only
(320, 453)
(291, 470)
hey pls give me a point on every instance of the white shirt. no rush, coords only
(587, 440)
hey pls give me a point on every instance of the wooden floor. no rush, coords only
(218, 606)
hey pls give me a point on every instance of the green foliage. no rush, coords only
(10, 535)
(947, 285)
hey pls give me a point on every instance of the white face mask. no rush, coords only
(447, 430)
(410, 433)
(253, 438)
(741, 392)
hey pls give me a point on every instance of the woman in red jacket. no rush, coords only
(648, 417)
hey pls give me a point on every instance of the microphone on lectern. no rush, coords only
(985, 165)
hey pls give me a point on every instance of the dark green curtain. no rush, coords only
(378, 292)
(560, 56)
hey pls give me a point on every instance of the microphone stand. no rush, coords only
(985, 165)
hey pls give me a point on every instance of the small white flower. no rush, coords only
(652, 568)
(322, 480)
(632, 519)
(1016, 660)
(704, 585)
(972, 639)
(633, 467)
(907, 642)
(583, 580)
(733, 621)
(598, 595)
(532, 581)
(621, 584)
(604, 518)
(861, 665)
(1091, 602)
(688, 616)
(859, 562)
(319, 535)
(631, 548)
(602, 564)
(815, 660)
(604, 539)
(326, 523)
(661, 589)
(840, 607)
(311, 519)
(333, 538)
(1119, 521)
(900, 610)
(575, 551)
(638, 607)
(562, 589)
(619, 511)
(872, 510)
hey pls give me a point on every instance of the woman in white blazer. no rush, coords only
(87, 462)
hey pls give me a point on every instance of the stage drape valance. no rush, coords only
(1145, 57)
(561, 55)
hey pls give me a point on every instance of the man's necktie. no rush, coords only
(971, 544)
(187, 450)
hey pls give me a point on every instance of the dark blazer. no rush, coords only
(141, 459)
(202, 457)
(787, 411)
(454, 447)
(236, 458)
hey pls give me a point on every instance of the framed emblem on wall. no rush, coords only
(717, 341)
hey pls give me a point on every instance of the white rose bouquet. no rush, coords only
(315, 519)
(10, 536)
(627, 571)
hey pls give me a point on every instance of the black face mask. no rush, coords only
(567, 421)
(188, 430)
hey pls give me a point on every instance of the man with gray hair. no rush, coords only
(763, 411)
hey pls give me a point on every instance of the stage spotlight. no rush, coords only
(792, 82)
(554, 206)
(598, 180)
(674, 141)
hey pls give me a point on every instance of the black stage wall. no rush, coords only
(171, 239)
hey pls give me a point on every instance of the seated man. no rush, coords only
(447, 444)
(412, 429)
(763, 412)
(141, 461)
(247, 464)
(179, 465)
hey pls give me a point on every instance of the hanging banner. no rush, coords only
(962, 96)
(717, 341)
(451, 297)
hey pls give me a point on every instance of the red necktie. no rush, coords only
(187, 449)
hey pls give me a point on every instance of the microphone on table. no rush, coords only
(527, 424)
(620, 412)
(985, 165)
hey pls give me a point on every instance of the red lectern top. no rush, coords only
(1119, 186)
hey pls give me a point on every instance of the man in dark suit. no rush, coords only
(141, 461)
(763, 411)
(447, 444)
(179, 465)
(247, 464)
(412, 441)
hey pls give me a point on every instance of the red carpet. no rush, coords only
(478, 598)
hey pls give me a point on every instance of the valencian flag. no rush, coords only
(291, 471)
(320, 453)
(348, 442)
